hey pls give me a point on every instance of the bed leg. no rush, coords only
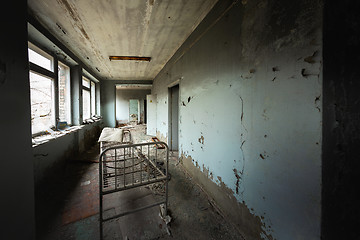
(166, 196)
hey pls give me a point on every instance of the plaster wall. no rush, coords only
(122, 103)
(16, 168)
(50, 158)
(250, 116)
(108, 101)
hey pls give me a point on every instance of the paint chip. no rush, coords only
(275, 69)
(85, 183)
(311, 59)
(201, 139)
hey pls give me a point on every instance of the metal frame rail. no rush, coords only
(128, 166)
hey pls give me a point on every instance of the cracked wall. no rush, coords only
(250, 79)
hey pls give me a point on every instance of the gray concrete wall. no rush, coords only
(122, 103)
(50, 158)
(250, 114)
(108, 101)
(16, 166)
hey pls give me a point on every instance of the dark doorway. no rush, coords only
(145, 111)
(174, 118)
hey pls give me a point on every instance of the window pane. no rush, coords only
(42, 105)
(41, 60)
(86, 104)
(93, 101)
(64, 93)
(86, 82)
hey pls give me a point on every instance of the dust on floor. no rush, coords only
(68, 206)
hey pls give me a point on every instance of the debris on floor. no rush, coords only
(68, 207)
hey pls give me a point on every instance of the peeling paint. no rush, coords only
(307, 72)
(271, 100)
(161, 137)
(263, 155)
(238, 178)
(312, 59)
(275, 69)
(247, 222)
(201, 140)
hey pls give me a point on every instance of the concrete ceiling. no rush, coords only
(95, 30)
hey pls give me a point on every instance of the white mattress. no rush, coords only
(111, 135)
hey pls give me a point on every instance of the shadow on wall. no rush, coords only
(51, 157)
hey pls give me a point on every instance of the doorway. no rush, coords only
(134, 110)
(145, 112)
(174, 118)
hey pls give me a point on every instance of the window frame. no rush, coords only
(52, 104)
(44, 54)
(54, 75)
(51, 74)
(92, 84)
(68, 99)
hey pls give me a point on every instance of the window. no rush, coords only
(50, 92)
(93, 100)
(86, 98)
(42, 90)
(40, 58)
(42, 102)
(64, 93)
(89, 100)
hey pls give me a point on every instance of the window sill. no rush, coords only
(42, 139)
(39, 140)
(93, 119)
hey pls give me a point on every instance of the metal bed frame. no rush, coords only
(127, 166)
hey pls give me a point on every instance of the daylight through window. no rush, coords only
(89, 100)
(41, 90)
(42, 104)
(64, 93)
